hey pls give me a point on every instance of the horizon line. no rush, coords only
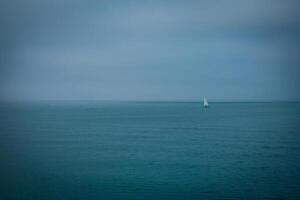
(162, 101)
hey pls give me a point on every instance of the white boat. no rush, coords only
(205, 103)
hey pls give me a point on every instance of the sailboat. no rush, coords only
(205, 103)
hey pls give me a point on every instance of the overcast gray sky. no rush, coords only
(149, 50)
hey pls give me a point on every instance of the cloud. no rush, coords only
(149, 46)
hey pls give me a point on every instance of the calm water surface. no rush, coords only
(149, 150)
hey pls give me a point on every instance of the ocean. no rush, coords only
(149, 150)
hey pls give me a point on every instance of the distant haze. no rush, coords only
(149, 50)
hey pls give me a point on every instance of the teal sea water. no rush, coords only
(149, 150)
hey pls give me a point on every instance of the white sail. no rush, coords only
(205, 103)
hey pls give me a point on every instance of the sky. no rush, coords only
(149, 50)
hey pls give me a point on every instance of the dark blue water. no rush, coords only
(144, 150)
